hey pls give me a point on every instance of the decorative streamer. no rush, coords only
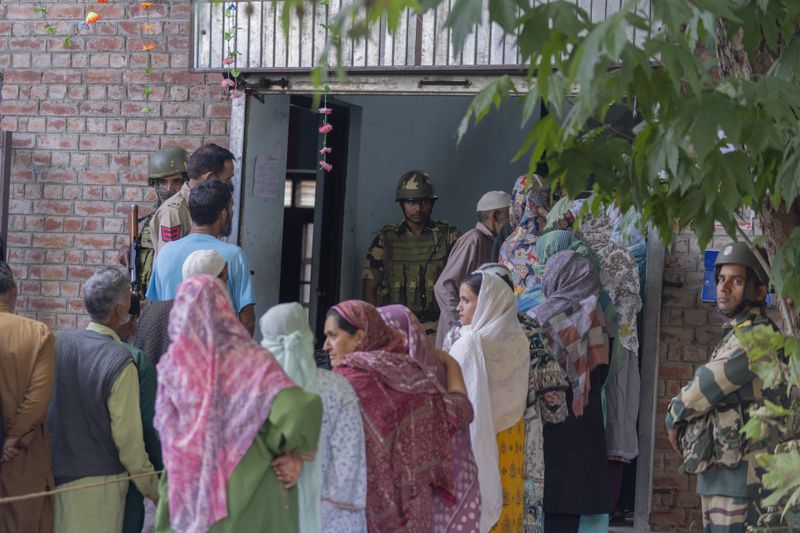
(325, 129)
(148, 29)
(231, 80)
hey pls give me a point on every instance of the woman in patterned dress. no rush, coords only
(408, 417)
(462, 513)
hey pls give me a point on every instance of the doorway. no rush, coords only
(292, 211)
(313, 211)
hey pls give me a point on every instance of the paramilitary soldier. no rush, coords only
(166, 173)
(704, 419)
(172, 220)
(404, 260)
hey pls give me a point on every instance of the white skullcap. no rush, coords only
(203, 262)
(494, 200)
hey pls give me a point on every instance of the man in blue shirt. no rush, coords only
(211, 209)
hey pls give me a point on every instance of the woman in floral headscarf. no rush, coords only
(406, 414)
(232, 424)
(462, 514)
(530, 206)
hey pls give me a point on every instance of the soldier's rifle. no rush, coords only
(133, 254)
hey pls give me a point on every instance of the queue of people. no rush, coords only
(470, 391)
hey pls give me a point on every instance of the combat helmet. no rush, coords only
(415, 185)
(739, 253)
(167, 162)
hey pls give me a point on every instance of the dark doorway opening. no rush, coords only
(313, 212)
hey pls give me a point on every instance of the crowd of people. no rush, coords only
(486, 382)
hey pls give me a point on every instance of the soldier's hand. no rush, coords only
(674, 442)
(122, 256)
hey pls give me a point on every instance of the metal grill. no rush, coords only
(420, 43)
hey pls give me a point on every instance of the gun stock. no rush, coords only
(133, 256)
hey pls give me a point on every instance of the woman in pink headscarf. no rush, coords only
(464, 513)
(408, 418)
(232, 424)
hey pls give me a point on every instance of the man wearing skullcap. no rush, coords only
(469, 252)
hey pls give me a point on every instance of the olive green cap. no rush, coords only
(739, 253)
(167, 162)
(415, 184)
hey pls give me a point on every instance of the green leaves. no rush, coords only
(493, 94)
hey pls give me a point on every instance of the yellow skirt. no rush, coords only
(511, 447)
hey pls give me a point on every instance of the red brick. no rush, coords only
(58, 175)
(26, 44)
(19, 108)
(102, 76)
(56, 124)
(94, 209)
(46, 304)
(59, 108)
(220, 110)
(52, 207)
(94, 241)
(57, 141)
(52, 240)
(67, 77)
(73, 225)
(99, 142)
(137, 142)
(48, 272)
(100, 108)
(33, 256)
(80, 273)
(190, 110)
(22, 76)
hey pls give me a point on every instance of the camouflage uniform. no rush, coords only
(171, 221)
(400, 291)
(709, 412)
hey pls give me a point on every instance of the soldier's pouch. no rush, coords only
(413, 289)
(431, 275)
(395, 285)
(697, 445)
(728, 436)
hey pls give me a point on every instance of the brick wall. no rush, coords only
(81, 140)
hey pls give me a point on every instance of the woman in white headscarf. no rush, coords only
(332, 487)
(493, 352)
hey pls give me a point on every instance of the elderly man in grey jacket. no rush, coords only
(94, 419)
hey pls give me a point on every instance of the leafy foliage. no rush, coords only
(709, 141)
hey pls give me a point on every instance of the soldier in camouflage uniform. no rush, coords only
(704, 419)
(405, 260)
(166, 173)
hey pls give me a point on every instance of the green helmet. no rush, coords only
(167, 162)
(739, 253)
(414, 185)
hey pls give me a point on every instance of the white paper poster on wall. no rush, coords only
(267, 182)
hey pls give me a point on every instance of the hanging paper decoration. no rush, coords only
(148, 29)
(325, 129)
(231, 81)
